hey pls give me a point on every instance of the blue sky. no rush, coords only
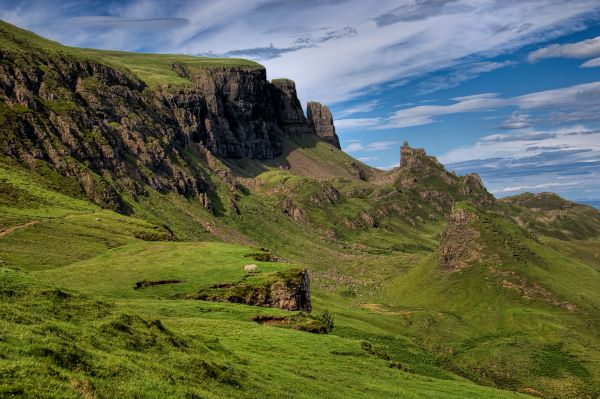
(509, 89)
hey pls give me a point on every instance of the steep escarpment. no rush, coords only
(113, 133)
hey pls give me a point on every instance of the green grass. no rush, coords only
(198, 264)
(479, 321)
(155, 69)
(57, 343)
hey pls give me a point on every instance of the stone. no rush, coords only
(320, 121)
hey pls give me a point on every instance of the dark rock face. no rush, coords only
(104, 128)
(320, 121)
(301, 292)
(289, 111)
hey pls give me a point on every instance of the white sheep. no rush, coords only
(251, 268)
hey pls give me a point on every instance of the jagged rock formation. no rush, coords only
(413, 158)
(424, 174)
(286, 290)
(320, 121)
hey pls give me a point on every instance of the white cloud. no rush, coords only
(578, 102)
(368, 159)
(460, 74)
(365, 107)
(391, 43)
(517, 120)
(593, 63)
(525, 188)
(356, 123)
(585, 49)
(583, 142)
(425, 114)
(388, 167)
(357, 146)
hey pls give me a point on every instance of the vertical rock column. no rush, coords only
(320, 122)
(290, 115)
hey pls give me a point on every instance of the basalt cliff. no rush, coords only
(115, 134)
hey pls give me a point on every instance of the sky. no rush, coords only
(509, 89)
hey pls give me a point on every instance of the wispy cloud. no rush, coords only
(593, 63)
(517, 120)
(360, 108)
(357, 146)
(460, 74)
(568, 104)
(302, 42)
(589, 48)
(414, 11)
(354, 123)
(566, 160)
(530, 143)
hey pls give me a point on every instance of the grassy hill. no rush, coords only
(436, 289)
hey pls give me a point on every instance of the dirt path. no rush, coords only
(8, 230)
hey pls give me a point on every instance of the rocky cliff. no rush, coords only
(320, 121)
(104, 127)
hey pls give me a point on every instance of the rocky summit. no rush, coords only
(179, 226)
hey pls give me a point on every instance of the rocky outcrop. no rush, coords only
(289, 290)
(290, 115)
(413, 158)
(427, 176)
(320, 121)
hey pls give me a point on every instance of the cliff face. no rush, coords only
(289, 111)
(320, 121)
(105, 128)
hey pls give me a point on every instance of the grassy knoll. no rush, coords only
(522, 303)
(196, 264)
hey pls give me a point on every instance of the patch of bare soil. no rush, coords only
(147, 283)
(11, 229)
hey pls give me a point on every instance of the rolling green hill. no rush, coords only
(132, 185)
